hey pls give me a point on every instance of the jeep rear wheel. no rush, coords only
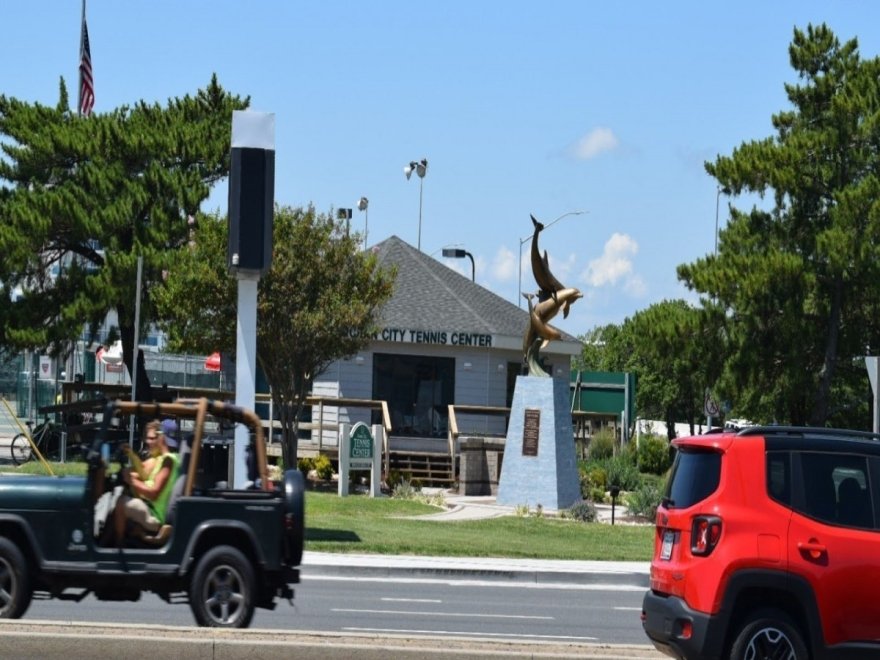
(15, 588)
(222, 591)
(768, 635)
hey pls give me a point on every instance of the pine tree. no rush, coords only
(84, 198)
(799, 283)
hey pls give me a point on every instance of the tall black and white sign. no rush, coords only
(251, 211)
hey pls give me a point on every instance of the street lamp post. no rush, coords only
(420, 168)
(522, 242)
(363, 203)
(458, 253)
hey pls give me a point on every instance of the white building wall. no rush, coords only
(480, 379)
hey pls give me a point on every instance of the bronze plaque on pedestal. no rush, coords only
(531, 431)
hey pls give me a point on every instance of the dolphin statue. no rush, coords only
(540, 332)
(548, 285)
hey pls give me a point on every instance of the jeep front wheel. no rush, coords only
(222, 591)
(768, 634)
(15, 588)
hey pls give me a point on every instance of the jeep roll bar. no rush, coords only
(195, 409)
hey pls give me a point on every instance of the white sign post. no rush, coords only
(873, 365)
(359, 450)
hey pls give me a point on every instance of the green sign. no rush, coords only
(360, 447)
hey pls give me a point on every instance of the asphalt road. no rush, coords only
(382, 606)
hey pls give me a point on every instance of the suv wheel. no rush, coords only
(768, 634)
(15, 588)
(222, 591)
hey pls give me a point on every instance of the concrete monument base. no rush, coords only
(539, 459)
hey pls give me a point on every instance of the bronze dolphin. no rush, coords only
(540, 316)
(548, 285)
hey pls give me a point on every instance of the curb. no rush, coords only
(523, 571)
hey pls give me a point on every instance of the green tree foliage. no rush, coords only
(798, 283)
(674, 350)
(86, 197)
(319, 303)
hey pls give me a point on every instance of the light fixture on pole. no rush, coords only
(420, 168)
(522, 242)
(363, 203)
(458, 253)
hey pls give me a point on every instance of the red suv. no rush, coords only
(768, 546)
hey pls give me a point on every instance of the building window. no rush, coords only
(418, 390)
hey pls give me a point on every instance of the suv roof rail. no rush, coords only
(808, 430)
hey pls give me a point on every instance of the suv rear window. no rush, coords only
(695, 476)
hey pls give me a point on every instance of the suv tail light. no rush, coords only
(705, 532)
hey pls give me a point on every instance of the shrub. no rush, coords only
(404, 490)
(643, 501)
(592, 481)
(305, 465)
(653, 455)
(396, 476)
(584, 511)
(323, 467)
(602, 445)
(622, 473)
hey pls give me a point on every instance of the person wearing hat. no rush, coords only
(169, 428)
(150, 486)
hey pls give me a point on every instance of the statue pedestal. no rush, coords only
(539, 459)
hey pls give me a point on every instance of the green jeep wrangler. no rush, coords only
(228, 550)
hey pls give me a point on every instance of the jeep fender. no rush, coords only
(231, 528)
(761, 587)
(22, 534)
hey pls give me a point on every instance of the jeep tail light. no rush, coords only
(705, 532)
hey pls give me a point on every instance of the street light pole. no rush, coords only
(458, 253)
(522, 242)
(363, 203)
(420, 168)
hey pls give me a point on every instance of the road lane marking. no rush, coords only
(409, 631)
(629, 609)
(454, 614)
(412, 600)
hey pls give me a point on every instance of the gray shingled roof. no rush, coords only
(428, 294)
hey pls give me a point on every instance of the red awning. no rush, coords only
(212, 362)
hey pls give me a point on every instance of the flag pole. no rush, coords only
(79, 60)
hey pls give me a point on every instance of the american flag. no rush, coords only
(86, 84)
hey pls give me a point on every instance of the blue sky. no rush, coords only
(519, 107)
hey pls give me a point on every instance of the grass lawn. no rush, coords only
(362, 524)
(380, 526)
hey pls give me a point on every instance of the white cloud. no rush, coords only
(594, 143)
(615, 264)
(504, 266)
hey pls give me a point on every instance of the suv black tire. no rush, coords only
(768, 633)
(15, 587)
(222, 592)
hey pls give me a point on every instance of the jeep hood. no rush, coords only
(32, 493)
